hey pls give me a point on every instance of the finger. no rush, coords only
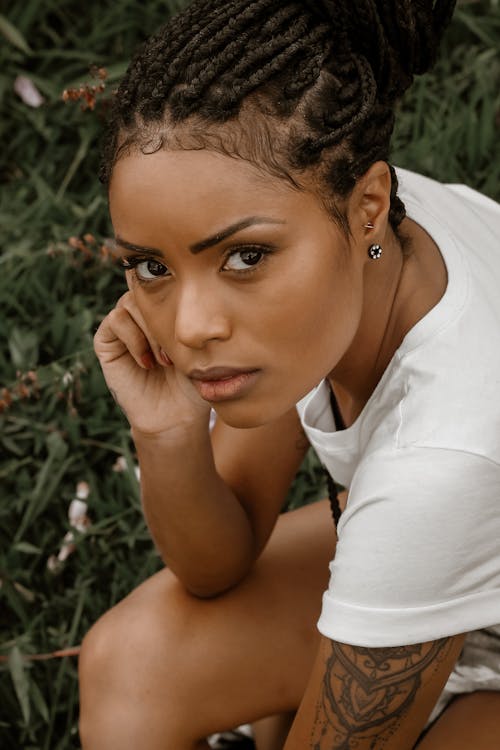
(128, 302)
(119, 335)
(165, 359)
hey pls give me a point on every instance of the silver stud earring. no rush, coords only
(375, 252)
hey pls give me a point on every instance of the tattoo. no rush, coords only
(367, 692)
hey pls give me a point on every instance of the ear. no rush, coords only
(369, 204)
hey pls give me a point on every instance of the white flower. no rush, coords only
(120, 465)
(82, 490)
(78, 519)
(28, 92)
(67, 547)
(77, 514)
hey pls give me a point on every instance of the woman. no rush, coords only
(276, 276)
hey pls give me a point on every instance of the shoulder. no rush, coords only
(426, 189)
(469, 218)
(417, 549)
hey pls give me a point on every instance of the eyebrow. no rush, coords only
(198, 247)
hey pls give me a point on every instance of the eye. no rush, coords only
(146, 269)
(243, 260)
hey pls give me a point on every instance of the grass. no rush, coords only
(58, 426)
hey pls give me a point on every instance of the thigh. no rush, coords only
(470, 721)
(224, 661)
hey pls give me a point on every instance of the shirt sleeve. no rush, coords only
(418, 552)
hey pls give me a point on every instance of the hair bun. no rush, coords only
(399, 38)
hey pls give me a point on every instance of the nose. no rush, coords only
(200, 317)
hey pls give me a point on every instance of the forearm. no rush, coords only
(201, 530)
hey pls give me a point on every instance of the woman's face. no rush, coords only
(235, 269)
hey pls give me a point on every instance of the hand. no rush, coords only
(154, 396)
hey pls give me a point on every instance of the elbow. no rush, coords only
(212, 576)
(214, 588)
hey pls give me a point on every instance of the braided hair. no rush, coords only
(290, 86)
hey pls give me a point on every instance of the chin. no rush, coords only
(242, 416)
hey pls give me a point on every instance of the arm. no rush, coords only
(371, 698)
(210, 505)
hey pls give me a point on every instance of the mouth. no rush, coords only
(222, 383)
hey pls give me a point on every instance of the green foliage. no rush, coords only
(59, 426)
(448, 125)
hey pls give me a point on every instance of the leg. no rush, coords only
(470, 721)
(164, 670)
(271, 733)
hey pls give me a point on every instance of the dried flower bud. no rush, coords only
(23, 391)
(53, 564)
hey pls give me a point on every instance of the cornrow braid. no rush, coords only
(290, 85)
(344, 120)
(242, 86)
(250, 72)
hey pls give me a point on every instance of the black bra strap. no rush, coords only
(332, 489)
(334, 499)
(339, 422)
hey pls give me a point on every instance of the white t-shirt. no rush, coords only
(418, 553)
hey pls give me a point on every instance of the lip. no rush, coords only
(217, 373)
(222, 383)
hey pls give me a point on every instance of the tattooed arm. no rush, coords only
(372, 698)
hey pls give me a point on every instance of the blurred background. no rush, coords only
(72, 538)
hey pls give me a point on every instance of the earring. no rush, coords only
(375, 252)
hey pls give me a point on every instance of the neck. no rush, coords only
(398, 292)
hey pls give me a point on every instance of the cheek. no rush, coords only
(317, 313)
(156, 310)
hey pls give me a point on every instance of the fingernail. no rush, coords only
(148, 361)
(165, 358)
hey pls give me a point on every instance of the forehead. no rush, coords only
(193, 168)
(173, 188)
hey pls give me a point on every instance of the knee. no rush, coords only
(97, 653)
(95, 673)
(140, 633)
(99, 672)
(133, 652)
